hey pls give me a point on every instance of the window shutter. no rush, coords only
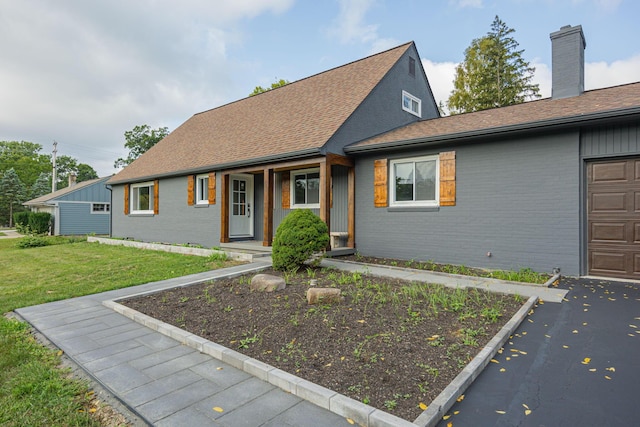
(448, 178)
(126, 199)
(191, 197)
(212, 188)
(380, 177)
(286, 190)
(156, 199)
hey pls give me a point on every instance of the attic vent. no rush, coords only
(412, 67)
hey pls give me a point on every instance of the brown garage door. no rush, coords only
(613, 207)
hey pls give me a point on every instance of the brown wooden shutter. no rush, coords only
(380, 180)
(191, 194)
(156, 199)
(286, 189)
(212, 188)
(448, 178)
(126, 199)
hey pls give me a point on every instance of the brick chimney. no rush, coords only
(72, 179)
(567, 62)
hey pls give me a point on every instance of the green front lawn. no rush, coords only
(32, 390)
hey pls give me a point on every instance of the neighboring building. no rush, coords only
(81, 208)
(544, 184)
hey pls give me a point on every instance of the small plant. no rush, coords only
(32, 242)
(390, 404)
(209, 298)
(492, 314)
(228, 308)
(183, 299)
(247, 340)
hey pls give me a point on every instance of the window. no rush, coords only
(305, 187)
(202, 189)
(415, 181)
(411, 104)
(142, 198)
(100, 208)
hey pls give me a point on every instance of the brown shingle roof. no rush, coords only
(298, 117)
(534, 113)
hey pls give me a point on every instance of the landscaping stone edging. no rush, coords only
(325, 398)
(185, 250)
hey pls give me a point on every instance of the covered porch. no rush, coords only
(255, 199)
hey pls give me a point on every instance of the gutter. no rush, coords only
(542, 125)
(110, 190)
(229, 165)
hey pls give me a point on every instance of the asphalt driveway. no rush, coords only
(571, 364)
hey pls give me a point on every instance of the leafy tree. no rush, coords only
(67, 165)
(12, 193)
(493, 73)
(274, 85)
(25, 158)
(42, 186)
(139, 140)
(85, 172)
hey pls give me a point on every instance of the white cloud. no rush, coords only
(602, 74)
(461, 4)
(440, 76)
(350, 26)
(85, 72)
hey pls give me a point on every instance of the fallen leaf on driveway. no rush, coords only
(218, 409)
(350, 421)
(500, 412)
(422, 406)
(586, 360)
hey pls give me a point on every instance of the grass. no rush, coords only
(33, 389)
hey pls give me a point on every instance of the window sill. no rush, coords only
(305, 206)
(201, 205)
(141, 214)
(413, 209)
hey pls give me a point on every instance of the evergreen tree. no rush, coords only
(42, 186)
(12, 194)
(493, 73)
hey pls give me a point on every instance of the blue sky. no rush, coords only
(84, 72)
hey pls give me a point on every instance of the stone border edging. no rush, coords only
(185, 250)
(321, 396)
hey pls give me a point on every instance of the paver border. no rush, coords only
(322, 396)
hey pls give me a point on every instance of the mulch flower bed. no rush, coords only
(389, 343)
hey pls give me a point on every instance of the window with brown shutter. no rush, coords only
(212, 188)
(380, 183)
(448, 178)
(191, 197)
(285, 184)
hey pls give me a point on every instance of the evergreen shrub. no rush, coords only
(300, 235)
(21, 221)
(39, 222)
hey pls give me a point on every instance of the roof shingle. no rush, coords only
(298, 117)
(617, 98)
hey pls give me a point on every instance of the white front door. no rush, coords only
(241, 206)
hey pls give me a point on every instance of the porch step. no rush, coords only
(248, 247)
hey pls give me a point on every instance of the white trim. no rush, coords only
(409, 109)
(134, 197)
(199, 199)
(421, 203)
(107, 210)
(292, 189)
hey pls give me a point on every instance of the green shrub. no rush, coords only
(299, 236)
(32, 242)
(39, 222)
(21, 221)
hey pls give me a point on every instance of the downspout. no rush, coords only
(110, 189)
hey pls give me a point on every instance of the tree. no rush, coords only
(274, 85)
(12, 192)
(85, 172)
(493, 73)
(139, 140)
(25, 158)
(42, 186)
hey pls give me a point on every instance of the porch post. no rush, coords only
(267, 237)
(351, 210)
(325, 188)
(224, 209)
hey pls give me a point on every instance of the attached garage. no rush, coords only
(613, 214)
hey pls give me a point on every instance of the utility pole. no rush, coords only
(54, 179)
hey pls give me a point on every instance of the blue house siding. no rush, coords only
(75, 218)
(96, 193)
(609, 141)
(176, 222)
(517, 199)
